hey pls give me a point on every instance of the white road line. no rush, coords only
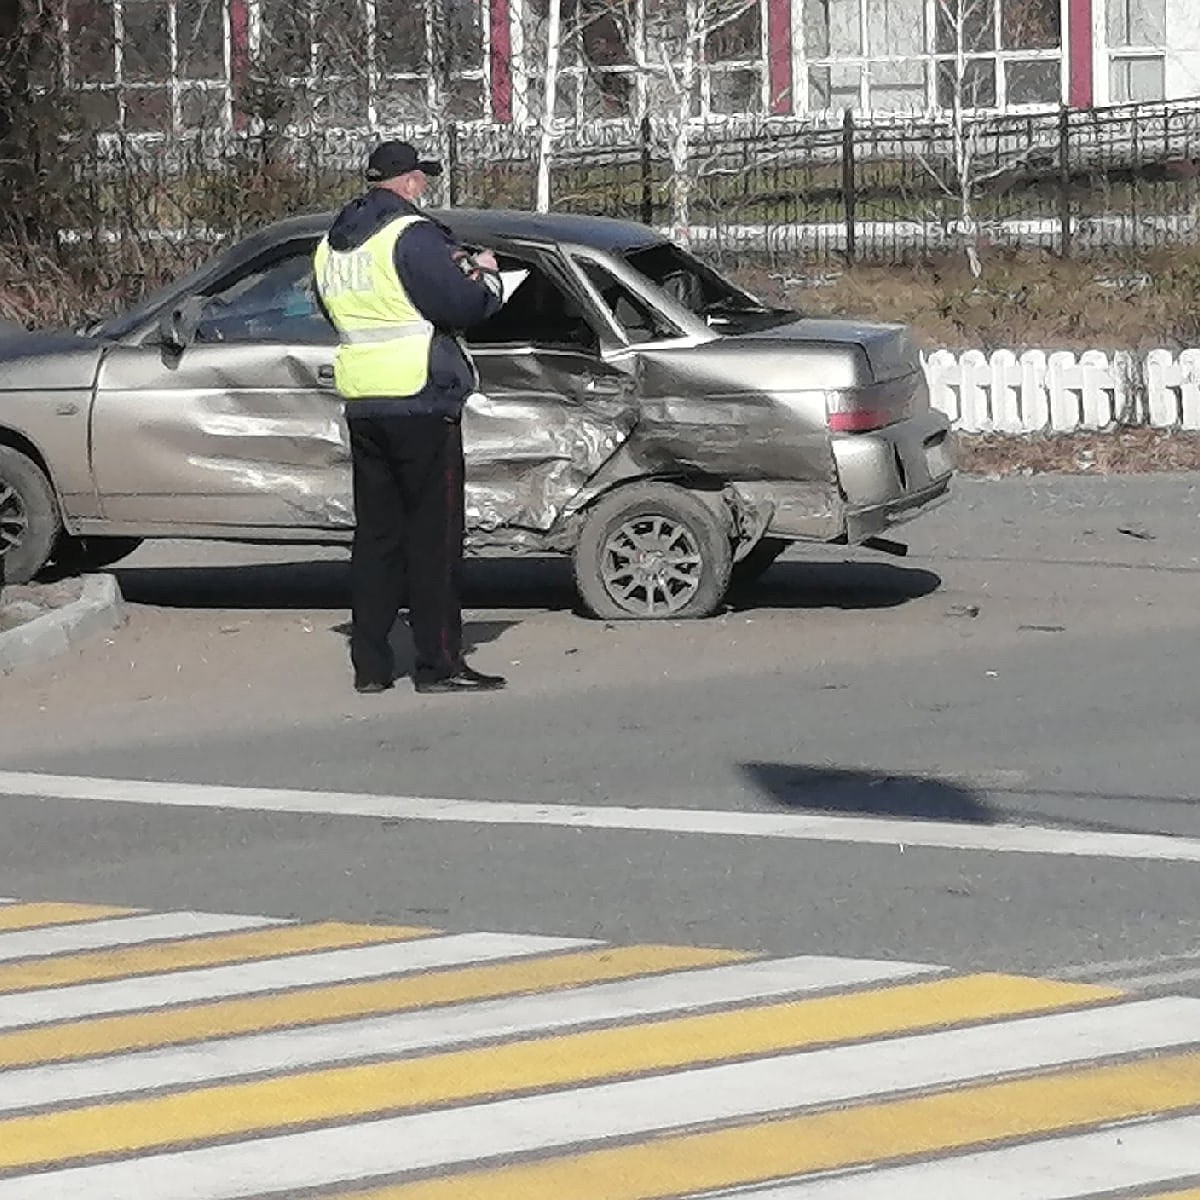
(122, 931)
(1121, 966)
(452, 1025)
(715, 823)
(266, 975)
(1158, 979)
(468, 1134)
(1127, 1156)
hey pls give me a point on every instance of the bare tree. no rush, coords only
(588, 29)
(666, 47)
(549, 103)
(968, 35)
(29, 119)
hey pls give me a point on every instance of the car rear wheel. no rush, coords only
(29, 520)
(78, 555)
(762, 555)
(652, 551)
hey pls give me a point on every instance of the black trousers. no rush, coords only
(408, 505)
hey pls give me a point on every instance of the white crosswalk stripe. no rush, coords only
(1137, 1156)
(363, 962)
(440, 1028)
(121, 931)
(197, 1056)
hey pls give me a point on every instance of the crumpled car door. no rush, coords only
(545, 423)
(240, 429)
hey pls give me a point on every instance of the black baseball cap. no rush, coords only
(391, 159)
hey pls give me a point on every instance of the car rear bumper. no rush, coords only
(891, 475)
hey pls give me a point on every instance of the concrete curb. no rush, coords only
(100, 608)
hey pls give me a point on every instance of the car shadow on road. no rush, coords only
(543, 584)
(533, 584)
(867, 793)
(847, 585)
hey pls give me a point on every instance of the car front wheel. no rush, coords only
(29, 520)
(652, 551)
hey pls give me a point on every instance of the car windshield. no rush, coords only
(702, 291)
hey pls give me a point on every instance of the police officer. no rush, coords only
(399, 290)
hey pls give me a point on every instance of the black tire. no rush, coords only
(690, 583)
(29, 516)
(79, 555)
(760, 559)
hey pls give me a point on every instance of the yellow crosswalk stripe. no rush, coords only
(518, 1068)
(39, 915)
(326, 1004)
(686, 1164)
(97, 966)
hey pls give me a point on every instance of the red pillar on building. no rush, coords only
(1080, 48)
(239, 58)
(501, 60)
(779, 56)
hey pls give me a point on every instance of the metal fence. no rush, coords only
(1071, 182)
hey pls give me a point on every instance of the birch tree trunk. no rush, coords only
(964, 140)
(549, 104)
(681, 180)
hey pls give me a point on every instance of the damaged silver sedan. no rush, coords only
(637, 411)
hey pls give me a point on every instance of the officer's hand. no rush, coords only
(487, 260)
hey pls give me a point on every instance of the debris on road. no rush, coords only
(1136, 531)
(963, 610)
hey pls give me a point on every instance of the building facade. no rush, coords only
(186, 64)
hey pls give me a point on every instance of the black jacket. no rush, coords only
(445, 297)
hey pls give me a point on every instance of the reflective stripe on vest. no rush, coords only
(385, 342)
(385, 333)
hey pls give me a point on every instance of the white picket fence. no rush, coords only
(1056, 392)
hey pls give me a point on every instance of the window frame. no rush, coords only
(931, 60)
(552, 264)
(691, 330)
(262, 265)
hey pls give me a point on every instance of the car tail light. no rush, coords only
(857, 412)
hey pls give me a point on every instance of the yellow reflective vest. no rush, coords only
(384, 341)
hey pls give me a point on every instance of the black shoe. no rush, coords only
(465, 679)
(371, 687)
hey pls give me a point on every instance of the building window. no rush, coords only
(149, 66)
(913, 55)
(366, 63)
(1137, 36)
(622, 58)
(161, 66)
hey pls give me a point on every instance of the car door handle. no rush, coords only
(325, 373)
(604, 387)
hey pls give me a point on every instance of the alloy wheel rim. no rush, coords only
(651, 565)
(14, 520)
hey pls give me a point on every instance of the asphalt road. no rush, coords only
(1034, 662)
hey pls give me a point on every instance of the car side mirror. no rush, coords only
(178, 325)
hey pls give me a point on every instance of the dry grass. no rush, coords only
(1120, 452)
(1024, 300)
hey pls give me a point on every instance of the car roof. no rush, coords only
(480, 224)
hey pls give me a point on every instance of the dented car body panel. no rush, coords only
(604, 367)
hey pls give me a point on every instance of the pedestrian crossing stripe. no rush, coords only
(37, 916)
(203, 1056)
